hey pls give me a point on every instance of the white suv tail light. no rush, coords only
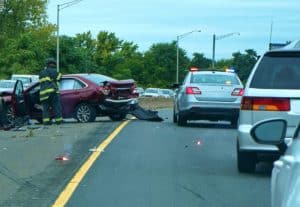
(265, 104)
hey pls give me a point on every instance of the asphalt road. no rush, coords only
(159, 164)
(30, 175)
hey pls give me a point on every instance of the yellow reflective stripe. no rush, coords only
(59, 76)
(50, 90)
(46, 119)
(59, 119)
(45, 79)
(44, 98)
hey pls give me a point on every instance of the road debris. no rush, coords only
(63, 158)
(198, 142)
(144, 114)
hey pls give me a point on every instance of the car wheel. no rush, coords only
(117, 117)
(181, 120)
(85, 113)
(246, 161)
(10, 115)
(174, 117)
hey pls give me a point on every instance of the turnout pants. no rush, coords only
(52, 104)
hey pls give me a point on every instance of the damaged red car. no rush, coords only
(83, 97)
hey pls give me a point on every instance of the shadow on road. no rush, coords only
(210, 125)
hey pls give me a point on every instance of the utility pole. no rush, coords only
(214, 50)
(177, 51)
(59, 8)
(215, 37)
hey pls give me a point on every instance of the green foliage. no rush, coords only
(199, 61)
(26, 53)
(223, 64)
(243, 63)
(160, 64)
(17, 16)
(26, 40)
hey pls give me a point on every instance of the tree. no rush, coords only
(25, 36)
(160, 64)
(199, 61)
(17, 16)
(27, 52)
(86, 46)
(224, 64)
(107, 45)
(243, 63)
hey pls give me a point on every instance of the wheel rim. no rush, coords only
(10, 115)
(83, 113)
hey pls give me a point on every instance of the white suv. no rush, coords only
(272, 91)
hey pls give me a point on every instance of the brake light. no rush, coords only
(265, 104)
(192, 90)
(238, 92)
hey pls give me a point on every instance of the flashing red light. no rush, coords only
(194, 69)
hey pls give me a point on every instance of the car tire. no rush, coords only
(174, 117)
(181, 120)
(246, 161)
(10, 115)
(117, 117)
(85, 113)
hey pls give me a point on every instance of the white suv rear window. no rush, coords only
(278, 70)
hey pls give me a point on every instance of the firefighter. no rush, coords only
(49, 92)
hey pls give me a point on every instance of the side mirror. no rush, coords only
(270, 132)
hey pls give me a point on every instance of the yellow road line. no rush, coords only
(66, 194)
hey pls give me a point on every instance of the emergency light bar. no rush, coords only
(193, 69)
(229, 70)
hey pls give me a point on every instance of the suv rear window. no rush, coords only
(278, 71)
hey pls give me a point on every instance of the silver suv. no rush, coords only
(208, 95)
(272, 91)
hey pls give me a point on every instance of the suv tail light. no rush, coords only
(265, 104)
(192, 90)
(238, 92)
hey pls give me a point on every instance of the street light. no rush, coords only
(177, 48)
(61, 7)
(214, 44)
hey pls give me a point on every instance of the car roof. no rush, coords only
(8, 81)
(85, 74)
(292, 47)
(25, 76)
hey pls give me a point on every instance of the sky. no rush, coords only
(149, 22)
